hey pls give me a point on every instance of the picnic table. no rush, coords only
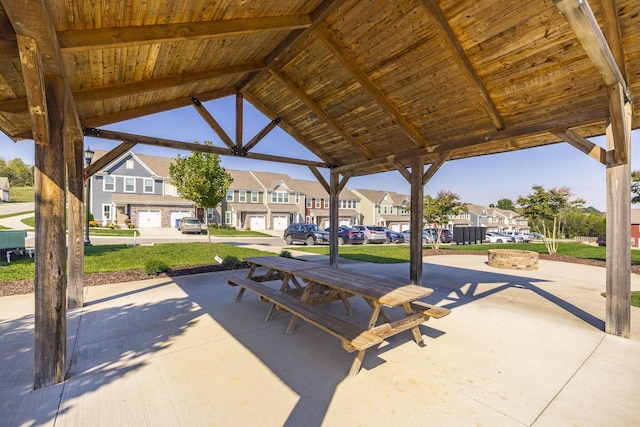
(304, 285)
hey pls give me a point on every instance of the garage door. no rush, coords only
(257, 223)
(149, 219)
(279, 222)
(175, 216)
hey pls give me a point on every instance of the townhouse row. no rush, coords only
(137, 187)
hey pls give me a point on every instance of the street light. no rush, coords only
(88, 156)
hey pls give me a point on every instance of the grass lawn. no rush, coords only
(21, 194)
(107, 258)
(223, 232)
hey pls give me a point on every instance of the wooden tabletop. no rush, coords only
(286, 265)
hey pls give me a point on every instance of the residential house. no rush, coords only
(635, 228)
(4, 189)
(385, 208)
(494, 219)
(316, 205)
(137, 187)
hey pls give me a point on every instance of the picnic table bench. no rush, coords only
(323, 284)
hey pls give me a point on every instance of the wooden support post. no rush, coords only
(50, 272)
(618, 303)
(239, 119)
(334, 194)
(75, 160)
(415, 238)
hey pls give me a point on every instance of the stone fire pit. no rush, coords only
(513, 259)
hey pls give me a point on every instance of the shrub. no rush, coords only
(231, 261)
(285, 254)
(153, 268)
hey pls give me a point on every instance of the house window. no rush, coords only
(229, 196)
(227, 217)
(297, 198)
(106, 212)
(148, 185)
(129, 185)
(309, 203)
(279, 197)
(326, 204)
(318, 203)
(242, 196)
(254, 197)
(109, 183)
(129, 164)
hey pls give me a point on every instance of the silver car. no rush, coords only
(372, 233)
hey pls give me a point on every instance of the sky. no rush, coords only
(480, 180)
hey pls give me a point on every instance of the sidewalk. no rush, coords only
(519, 349)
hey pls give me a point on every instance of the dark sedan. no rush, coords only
(348, 235)
(393, 236)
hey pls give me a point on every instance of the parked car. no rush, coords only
(189, 224)
(601, 241)
(309, 234)
(446, 236)
(427, 237)
(495, 237)
(348, 235)
(393, 236)
(372, 233)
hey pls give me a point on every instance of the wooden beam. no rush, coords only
(212, 122)
(334, 216)
(416, 222)
(435, 166)
(619, 118)
(319, 14)
(33, 74)
(239, 119)
(264, 132)
(551, 126)
(412, 133)
(583, 144)
(258, 105)
(618, 250)
(50, 243)
(320, 178)
(318, 111)
(190, 146)
(149, 85)
(461, 58)
(403, 171)
(117, 37)
(103, 161)
(585, 26)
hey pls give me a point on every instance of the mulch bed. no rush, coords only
(19, 287)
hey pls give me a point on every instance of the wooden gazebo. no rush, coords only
(367, 86)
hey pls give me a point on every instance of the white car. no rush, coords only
(495, 237)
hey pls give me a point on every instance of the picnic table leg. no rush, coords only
(240, 293)
(417, 335)
(304, 298)
(357, 362)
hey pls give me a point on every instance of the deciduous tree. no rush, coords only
(437, 210)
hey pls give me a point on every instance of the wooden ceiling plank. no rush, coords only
(347, 62)
(117, 37)
(318, 111)
(211, 121)
(461, 58)
(34, 84)
(586, 28)
(190, 146)
(258, 105)
(275, 56)
(583, 144)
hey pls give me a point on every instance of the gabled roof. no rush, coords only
(4, 183)
(376, 196)
(156, 165)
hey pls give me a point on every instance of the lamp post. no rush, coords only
(88, 156)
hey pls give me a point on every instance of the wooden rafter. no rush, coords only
(320, 178)
(583, 144)
(286, 127)
(190, 146)
(239, 118)
(364, 80)
(264, 132)
(585, 26)
(318, 111)
(276, 55)
(459, 55)
(435, 166)
(212, 122)
(103, 161)
(133, 88)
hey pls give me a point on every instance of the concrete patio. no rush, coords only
(520, 348)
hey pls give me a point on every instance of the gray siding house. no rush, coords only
(137, 187)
